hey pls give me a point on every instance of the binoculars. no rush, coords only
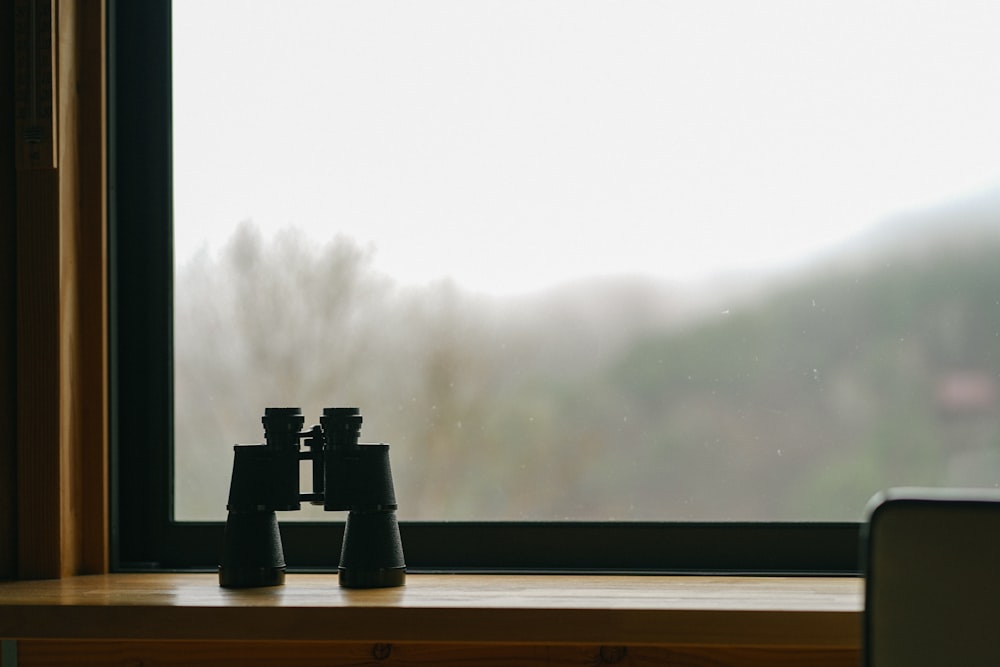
(346, 475)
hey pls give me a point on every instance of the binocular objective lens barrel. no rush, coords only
(251, 554)
(372, 553)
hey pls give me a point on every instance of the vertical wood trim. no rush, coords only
(39, 413)
(8, 316)
(61, 314)
(38, 410)
(71, 385)
(92, 282)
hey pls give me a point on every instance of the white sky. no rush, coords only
(511, 144)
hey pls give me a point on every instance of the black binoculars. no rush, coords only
(346, 475)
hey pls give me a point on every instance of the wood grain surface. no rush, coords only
(515, 609)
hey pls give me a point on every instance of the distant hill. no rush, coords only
(802, 404)
(770, 397)
(956, 224)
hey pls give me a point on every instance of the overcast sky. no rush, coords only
(511, 144)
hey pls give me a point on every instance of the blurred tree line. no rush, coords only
(617, 400)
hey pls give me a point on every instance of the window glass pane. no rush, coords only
(590, 259)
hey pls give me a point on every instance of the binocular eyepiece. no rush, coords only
(346, 475)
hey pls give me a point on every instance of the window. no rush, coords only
(719, 387)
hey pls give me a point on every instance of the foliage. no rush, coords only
(797, 402)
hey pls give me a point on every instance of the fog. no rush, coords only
(781, 396)
(593, 259)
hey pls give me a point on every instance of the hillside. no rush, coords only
(623, 400)
(805, 404)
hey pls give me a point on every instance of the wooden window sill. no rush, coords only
(776, 612)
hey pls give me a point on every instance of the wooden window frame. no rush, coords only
(85, 241)
(53, 464)
(147, 537)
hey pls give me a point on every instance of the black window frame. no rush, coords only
(145, 535)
